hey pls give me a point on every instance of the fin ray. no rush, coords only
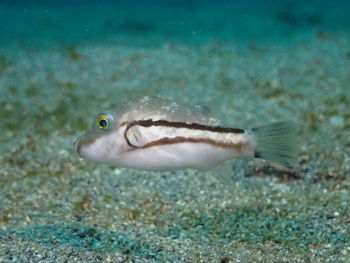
(276, 142)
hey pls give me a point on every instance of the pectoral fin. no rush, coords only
(135, 137)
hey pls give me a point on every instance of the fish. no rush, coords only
(156, 134)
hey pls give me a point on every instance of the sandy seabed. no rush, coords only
(55, 207)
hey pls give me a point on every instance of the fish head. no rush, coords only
(104, 142)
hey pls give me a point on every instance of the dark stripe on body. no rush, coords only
(179, 139)
(176, 124)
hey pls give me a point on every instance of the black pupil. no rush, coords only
(103, 123)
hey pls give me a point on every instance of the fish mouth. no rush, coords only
(83, 141)
(78, 144)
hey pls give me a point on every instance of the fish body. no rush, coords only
(157, 134)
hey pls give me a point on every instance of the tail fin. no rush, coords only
(276, 142)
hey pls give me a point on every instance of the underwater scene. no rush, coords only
(171, 175)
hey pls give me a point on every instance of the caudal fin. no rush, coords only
(277, 142)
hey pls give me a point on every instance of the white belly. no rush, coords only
(177, 156)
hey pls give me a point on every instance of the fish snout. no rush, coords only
(77, 146)
(83, 144)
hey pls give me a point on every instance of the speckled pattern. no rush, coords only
(55, 207)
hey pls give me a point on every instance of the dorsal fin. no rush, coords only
(162, 109)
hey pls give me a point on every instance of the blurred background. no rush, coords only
(251, 62)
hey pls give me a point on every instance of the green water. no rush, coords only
(250, 64)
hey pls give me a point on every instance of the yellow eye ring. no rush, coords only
(103, 121)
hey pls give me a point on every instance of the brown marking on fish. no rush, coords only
(178, 124)
(179, 139)
(126, 130)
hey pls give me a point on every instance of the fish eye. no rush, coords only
(103, 121)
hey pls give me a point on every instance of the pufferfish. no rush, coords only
(158, 134)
